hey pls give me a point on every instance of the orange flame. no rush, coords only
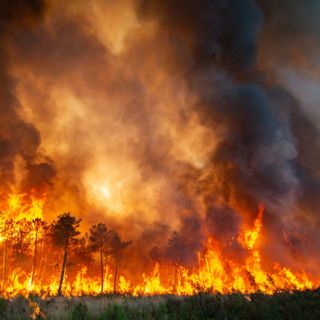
(215, 272)
(251, 236)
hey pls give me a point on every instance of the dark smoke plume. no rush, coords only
(18, 139)
(233, 64)
(263, 154)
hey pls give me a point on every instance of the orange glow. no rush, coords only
(153, 128)
(250, 237)
(215, 272)
(23, 205)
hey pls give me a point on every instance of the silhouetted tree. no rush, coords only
(100, 239)
(21, 238)
(156, 254)
(6, 232)
(63, 231)
(39, 227)
(117, 247)
(176, 247)
(175, 251)
(83, 251)
(46, 245)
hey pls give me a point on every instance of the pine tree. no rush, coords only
(64, 230)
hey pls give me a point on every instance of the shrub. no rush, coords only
(3, 307)
(80, 312)
(280, 306)
(114, 312)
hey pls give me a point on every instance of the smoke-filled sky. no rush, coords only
(162, 115)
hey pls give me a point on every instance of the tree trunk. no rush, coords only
(175, 276)
(101, 268)
(44, 267)
(63, 269)
(34, 258)
(115, 276)
(4, 267)
(106, 269)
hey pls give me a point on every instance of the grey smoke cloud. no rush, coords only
(127, 118)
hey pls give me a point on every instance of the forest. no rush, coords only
(33, 249)
(62, 259)
(35, 246)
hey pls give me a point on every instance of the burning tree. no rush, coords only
(21, 238)
(156, 254)
(100, 239)
(82, 252)
(175, 252)
(39, 228)
(64, 230)
(6, 230)
(117, 247)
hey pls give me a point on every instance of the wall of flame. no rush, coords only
(155, 116)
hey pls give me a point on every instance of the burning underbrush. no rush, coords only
(56, 259)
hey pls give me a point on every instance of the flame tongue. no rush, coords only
(23, 205)
(215, 271)
(251, 236)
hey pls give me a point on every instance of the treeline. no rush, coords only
(36, 248)
(23, 239)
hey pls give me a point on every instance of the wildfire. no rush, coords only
(251, 236)
(215, 271)
(157, 124)
(26, 206)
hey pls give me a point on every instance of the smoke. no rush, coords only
(296, 24)
(262, 153)
(167, 115)
(19, 140)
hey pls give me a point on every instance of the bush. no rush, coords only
(80, 312)
(3, 307)
(160, 312)
(114, 312)
(280, 306)
(21, 308)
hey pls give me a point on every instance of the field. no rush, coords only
(288, 306)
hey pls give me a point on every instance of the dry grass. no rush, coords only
(288, 306)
